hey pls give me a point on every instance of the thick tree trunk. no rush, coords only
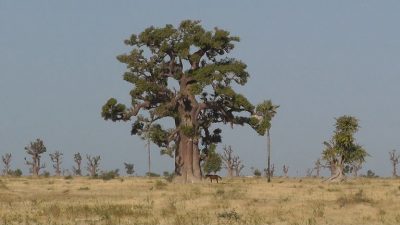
(187, 161)
(187, 157)
(230, 172)
(339, 173)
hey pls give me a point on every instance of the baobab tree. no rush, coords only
(395, 160)
(35, 149)
(78, 161)
(56, 158)
(266, 111)
(93, 165)
(342, 150)
(195, 60)
(6, 158)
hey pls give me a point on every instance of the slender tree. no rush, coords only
(93, 165)
(285, 170)
(342, 149)
(270, 172)
(228, 159)
(78, 160)
(35, 149)
(237, 165)
(129, 167)
(317, 167)
(195, 60)
(267, 111)
(56, 158)
(394, 157)
(309, 172)
(6, 158)
(147, 132)
(213, 161)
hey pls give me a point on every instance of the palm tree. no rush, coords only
(267, 111)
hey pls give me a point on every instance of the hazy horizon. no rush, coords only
(317, 60)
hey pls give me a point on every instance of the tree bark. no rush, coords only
(187, 161)
(187, 157)
(339, 172)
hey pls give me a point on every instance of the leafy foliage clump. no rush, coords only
(16, 173)
(129, 168)
(213, 161)
(257, 173)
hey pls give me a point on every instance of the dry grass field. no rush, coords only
(238, 201)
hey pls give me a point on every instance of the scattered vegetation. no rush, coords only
(241, 201)
(358, 197)
(152, 174)
(108, 175)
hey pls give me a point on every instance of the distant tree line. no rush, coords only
(341, 156)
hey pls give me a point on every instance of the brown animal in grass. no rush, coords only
(213, 177)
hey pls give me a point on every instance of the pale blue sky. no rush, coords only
(317, 59)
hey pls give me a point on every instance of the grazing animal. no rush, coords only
(213, 177)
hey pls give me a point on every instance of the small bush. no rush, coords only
(170, 176)
(69, 177)
(257, 173)
(166, 174)
(160, 185)
(46, 174)
(83, 189)
(15, 173)
(358, 197)
(370, 174)
(108, 175)
(152, 174)
(229, 215)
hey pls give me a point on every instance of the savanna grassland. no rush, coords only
(238, 201)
